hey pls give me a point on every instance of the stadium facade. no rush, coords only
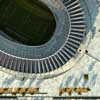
(72, 25)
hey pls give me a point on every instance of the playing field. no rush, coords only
(28, 22)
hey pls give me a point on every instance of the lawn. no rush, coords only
(29, 22)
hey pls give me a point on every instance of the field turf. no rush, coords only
(28, 22)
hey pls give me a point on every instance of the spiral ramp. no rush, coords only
(67, 51)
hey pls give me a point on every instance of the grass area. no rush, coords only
(27, 21)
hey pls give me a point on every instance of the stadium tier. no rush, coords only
(65, 30)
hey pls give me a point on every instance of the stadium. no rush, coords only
(42, 41)
(49, 48)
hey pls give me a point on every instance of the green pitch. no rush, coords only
(28, 22)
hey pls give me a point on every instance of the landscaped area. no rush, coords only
(29, 22)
